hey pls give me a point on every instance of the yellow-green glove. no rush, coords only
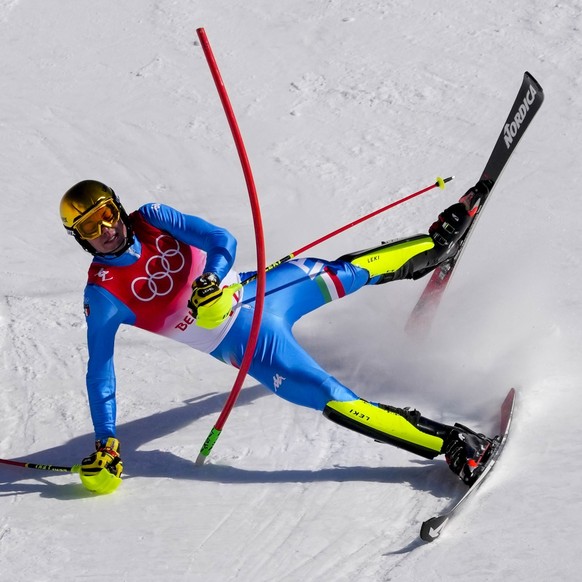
(212, 314)
(101, 471)
(205, 290)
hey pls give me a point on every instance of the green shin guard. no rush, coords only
(402, 428)
(408, 258)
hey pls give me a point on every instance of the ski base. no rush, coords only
(432, 528)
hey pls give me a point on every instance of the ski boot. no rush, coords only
(473, 197)
(450, 227)
(466, 453)
(445, 232)
(454, 220)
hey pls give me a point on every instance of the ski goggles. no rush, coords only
(90, 225)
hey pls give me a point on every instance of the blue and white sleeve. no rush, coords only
(104, 313)
(218, 244)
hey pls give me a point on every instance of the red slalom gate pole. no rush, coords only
(260, 250)
(440, 183)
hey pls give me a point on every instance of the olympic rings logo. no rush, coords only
(160, 268)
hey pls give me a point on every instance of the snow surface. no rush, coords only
(344, 106)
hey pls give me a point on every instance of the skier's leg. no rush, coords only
(284, 367)
(280, 363)
(299, 286)
(403, 428)
(463, 448)
(414, 257)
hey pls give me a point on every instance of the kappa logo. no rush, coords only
(277, 381)
(159, 269)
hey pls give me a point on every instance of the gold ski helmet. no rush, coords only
(87, 207)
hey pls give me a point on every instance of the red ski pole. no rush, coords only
(440, 183)
(260, 250)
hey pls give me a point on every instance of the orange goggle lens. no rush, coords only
(90, 226)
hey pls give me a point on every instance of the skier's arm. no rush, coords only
(218, 244)
(104, 313)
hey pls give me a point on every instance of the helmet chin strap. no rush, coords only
(122, 248)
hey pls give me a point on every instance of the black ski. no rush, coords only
(527, 103)
(433, 527)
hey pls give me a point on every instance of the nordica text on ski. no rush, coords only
(510, 130)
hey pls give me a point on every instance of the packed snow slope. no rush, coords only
(344, 106)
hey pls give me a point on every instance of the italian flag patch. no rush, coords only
(330, 286)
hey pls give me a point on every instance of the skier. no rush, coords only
(172, 274)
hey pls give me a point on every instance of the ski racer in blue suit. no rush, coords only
(173, 274)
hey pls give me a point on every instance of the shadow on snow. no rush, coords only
(421, 474)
